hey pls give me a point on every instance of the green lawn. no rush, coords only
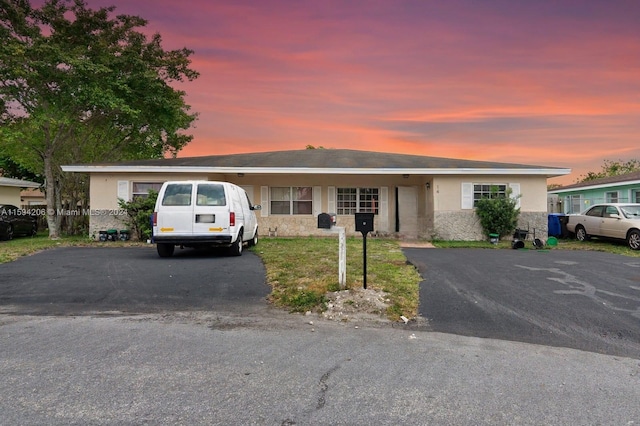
(302, 270)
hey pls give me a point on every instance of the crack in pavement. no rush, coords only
(324, 387)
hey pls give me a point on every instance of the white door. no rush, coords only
(408, 210)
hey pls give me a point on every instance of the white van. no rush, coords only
(201, 214)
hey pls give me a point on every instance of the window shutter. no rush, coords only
(384, 202)
(331, 199)
(123, 190)
(264, 201)
(515, 193)
(317, 200)
(467, 195)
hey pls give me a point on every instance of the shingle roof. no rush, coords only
(609, 180)
(323, 159)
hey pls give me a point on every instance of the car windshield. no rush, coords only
(631, 212)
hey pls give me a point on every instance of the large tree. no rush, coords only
(612, 168)
(81, 85)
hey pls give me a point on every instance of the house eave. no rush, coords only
(331, 171)
(592, 187)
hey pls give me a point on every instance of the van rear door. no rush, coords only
(211, 209)
(175, 218)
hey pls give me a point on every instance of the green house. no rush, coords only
(613, 189)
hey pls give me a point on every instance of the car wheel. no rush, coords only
(254, 241)
(236, 247)
(581, 234)
(165, 250)
(633, 239)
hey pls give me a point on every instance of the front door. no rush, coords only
(408, 211)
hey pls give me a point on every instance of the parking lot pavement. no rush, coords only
(576, 299)
(89, 280)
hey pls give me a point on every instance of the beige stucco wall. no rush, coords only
(451, 222)
(10, 195)
(438, 203)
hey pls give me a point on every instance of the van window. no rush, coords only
(177, 194)
(211, 195)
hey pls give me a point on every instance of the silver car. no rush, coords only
(613, 220)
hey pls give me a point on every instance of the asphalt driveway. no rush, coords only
(90, 280)
(576, 299)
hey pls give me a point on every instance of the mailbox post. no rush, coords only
(364, 224)
(327, 221)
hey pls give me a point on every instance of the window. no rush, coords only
(357, 200)
(611, 197)
(211, 195)
(177, 194)
(609, 210)
(487, 190)
(595, 211)
(573, 204)
(141, 189)
(292, 200)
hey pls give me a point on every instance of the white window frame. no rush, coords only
(144, 194)
(573, 203)
(292, 198)
(612, 196)
(362, 203)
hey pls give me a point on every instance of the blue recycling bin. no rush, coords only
(554, 226)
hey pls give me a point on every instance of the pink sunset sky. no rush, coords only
(551, 83)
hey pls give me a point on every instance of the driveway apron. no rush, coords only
(80, 280)
(577, 299)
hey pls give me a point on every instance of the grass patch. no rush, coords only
(24, 246)
(595, 244)
(302, 270)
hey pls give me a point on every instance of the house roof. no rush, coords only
(18, 183)
(625, 179)
(328, 161)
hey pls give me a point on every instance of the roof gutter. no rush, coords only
(331, 171)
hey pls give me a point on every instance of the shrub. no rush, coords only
(139, 211)
(498, 213)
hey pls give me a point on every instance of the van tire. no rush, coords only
(165, 250)
(236, 247)
(254, 241)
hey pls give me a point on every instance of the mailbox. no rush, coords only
(325, 221)
(364, 222)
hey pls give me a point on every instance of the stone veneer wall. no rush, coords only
(465, 225)
(101, 220)
(458, 225)
(302, 226)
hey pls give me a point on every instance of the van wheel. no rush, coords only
(254, 240)
(165, 250)
(236, 247)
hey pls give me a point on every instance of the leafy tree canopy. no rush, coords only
(79, 85)
(612, 168)
(11, 169)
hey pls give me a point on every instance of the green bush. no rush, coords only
(139, 211)
(498, 213)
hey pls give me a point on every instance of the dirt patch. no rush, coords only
(357, 305)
